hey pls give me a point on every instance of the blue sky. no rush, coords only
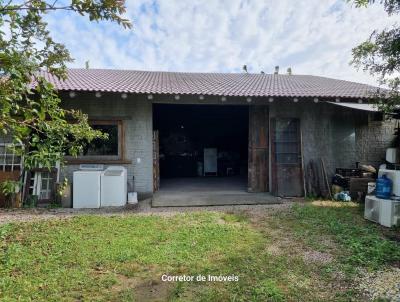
(310, 36)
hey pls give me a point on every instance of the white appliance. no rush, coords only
(210, 161)
(390, 213)
(393, 155)
(372, 208)
(383, 211)
(394, 176)
(86, 187)
(132, 198)
(114, 188)
(91, 167)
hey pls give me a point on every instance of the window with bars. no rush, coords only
(42, 184)
(287, 143)
(9, 161)
(47, 185)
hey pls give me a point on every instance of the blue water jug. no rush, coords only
(383, 187)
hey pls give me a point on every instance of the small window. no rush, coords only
(8, 160)
(41, 183)
(104, 149)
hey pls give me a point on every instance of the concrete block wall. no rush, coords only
(338, 135)
(373, 138)
(328, 131)
(136, 113)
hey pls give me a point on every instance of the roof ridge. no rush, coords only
(184, 72)
(196, 83)
(217, 73)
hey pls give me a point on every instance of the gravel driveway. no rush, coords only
(142, 208)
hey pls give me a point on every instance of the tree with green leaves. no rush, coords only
(380, 55)
(42, 131)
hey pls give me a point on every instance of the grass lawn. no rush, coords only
(312, 252)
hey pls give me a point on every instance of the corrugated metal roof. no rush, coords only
(357, 106)
(227, 84)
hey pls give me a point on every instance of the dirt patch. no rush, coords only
(274, 249)
(143, 282)
(153, 290)
(125, 283)
(280, 245)
(317, 257)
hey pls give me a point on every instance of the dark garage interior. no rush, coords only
(202, 144)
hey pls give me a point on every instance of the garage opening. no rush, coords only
(202, 147)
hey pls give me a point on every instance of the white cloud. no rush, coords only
(311, 36)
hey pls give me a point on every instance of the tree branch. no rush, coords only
(49, 8)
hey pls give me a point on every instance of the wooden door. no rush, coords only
(287, 174)
(258, 164)
(156, 161)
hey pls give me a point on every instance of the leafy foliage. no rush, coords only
(380, 55)
(391, 6)
(8, 187)
(30, 112)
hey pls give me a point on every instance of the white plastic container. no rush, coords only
(392, 155)
(132, 198)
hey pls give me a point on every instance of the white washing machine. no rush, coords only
(86, 187)
(114, 188)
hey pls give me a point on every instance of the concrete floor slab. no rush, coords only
(208, 191)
